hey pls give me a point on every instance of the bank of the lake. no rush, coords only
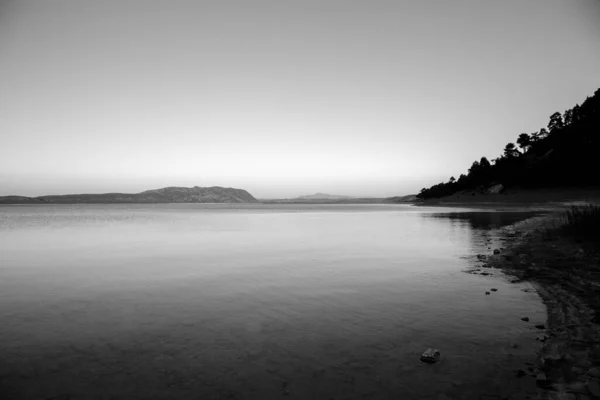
(511, 198)
(566, 275)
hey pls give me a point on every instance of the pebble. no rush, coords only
(541, 379)
(542, 338)
(594, 388)
(577, 387)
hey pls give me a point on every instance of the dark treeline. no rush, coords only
(565, 153)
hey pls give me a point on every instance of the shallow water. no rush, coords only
(254, 301)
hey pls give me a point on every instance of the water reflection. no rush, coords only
(483, 220)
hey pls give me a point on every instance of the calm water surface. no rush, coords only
(254, 302)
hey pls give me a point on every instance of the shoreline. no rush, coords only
(564, 276)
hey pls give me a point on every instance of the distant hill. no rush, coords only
(338, 199)
(402, 199)
(323, 196)
(215, 194)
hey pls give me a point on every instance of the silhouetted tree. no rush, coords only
(556, 122)
(524, 142)
(484, 163)
(576, 113)
(510, 151)
(568, 117)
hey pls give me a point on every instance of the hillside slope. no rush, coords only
(563, 154)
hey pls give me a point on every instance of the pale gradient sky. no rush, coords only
(282, 98)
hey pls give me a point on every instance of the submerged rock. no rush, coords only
(496, 251)
(494, 289)
(487, 293)
(540, 326)
(430, 356)
(526, 319)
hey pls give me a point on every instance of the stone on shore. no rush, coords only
(594, 388)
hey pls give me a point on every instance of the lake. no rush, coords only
(256, 301)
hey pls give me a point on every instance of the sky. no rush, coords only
(281, 98)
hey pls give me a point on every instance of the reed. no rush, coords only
(582, 221)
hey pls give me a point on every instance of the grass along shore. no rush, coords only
(518, 197)
(559, 253)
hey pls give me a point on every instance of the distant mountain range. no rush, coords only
(323, 196)
(214, 194)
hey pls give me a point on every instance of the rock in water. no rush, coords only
(496, 251)
(430, 356)
(526, 319)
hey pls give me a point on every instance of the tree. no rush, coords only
(568, 117)
(556, 122)
(510, 151)
(474, 168)
(484, 163)
(576, 113)
(452, 180)
(524, 142)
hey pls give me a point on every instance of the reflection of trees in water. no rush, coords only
(483, 220)
(475, 228)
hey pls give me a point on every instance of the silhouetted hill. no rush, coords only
(215, 194)
(563, 154)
